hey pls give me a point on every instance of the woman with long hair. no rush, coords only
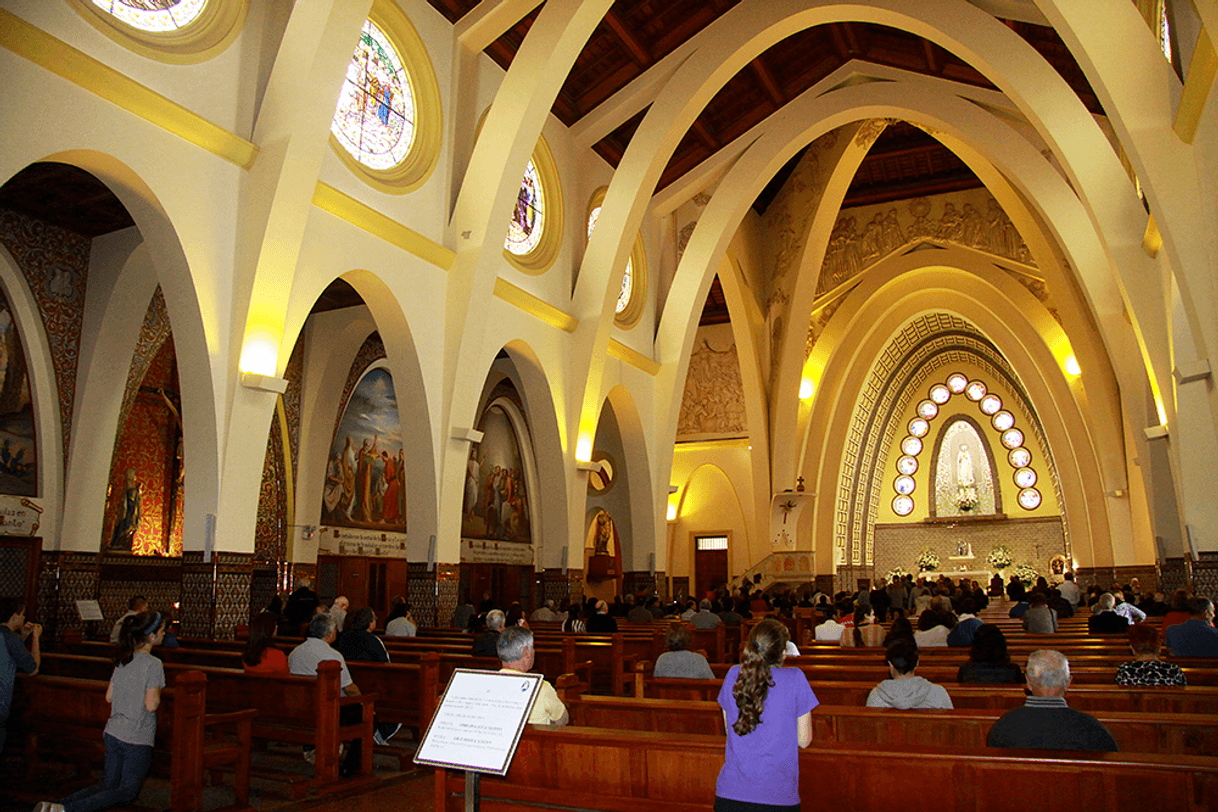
(988, 660)
(134, 696)
(260, 655)
(767, 711)
(866, 631)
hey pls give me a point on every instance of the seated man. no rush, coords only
(966, 625)
(358, 644)
(601, 622)
(1070, 590)
(1105, 620)
(486, 644)
(303, 661)
(705, 618)
(679, 661)
(137, 604)
(905, 689)
(640, 613)
(1195, 637)
(1045, 721)
(1040, 619)
(516, 654)
(830, 631)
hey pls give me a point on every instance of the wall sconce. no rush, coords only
(264, 383)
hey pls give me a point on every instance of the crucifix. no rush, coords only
(787, 507)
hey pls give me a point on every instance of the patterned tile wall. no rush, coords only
(1205, 576)
(575, 585)
(264, 585)
(554, 586)
(448, 579)
(421, 592)
(48, 594)
(1174, 574)
(639, 581)
(197, 595)
(234, 575)
(78, 581)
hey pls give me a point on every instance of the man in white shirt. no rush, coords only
(545, 614)
(830, 631)
(515, 649)
(1070, 591)
(303, 661)
(134, 606)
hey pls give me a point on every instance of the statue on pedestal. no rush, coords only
(966, 481)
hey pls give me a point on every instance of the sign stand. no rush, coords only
(478, 724)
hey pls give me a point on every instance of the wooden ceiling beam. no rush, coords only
(932, 62)
(838, 37)
(637, 50)
(704, 134)
(850, 30)
(767, 81)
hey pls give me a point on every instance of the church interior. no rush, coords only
(438, 298)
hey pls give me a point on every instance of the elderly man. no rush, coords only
(516, 654)
(317, 648)
(704, 618)
(1045, 721)
(545, 614)
(1070, 590)
(1040, 619)
(1195, 637)
(602, 622)
(1106, 620)
(485, 645)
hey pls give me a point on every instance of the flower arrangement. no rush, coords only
(967, 499)
(1000, 558)
(927, 560)
(895, 572)
(1026, 573)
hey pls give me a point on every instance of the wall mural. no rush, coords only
(495, 504)
(364, 475)
(713, 402)
(18, 449)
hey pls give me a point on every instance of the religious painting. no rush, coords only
(18, 451)
(495, 504)
(365, 484)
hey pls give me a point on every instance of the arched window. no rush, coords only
(534, 231)
(153, 15)
(175, 31)
(630, 296)
(528, 221)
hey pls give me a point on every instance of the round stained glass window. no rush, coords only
(928, 410)
(1025, 477)
(1019, 458)
(1002, 421)
(907, 465)
(911, 446)
(592, 218)
(1029, 499)
(528, 218)
(623, 297)
(991, 404)
(904, 485)
(153, 15)
(902, 506)
(375, 118)
(918, 427)
(956, 383)
(975, 390)
(1012, 438)
(940, 394)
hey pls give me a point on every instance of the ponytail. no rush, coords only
(860, 614)
(766, 648)
(134, 632)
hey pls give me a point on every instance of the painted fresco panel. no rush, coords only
(18, 449)
(495, 505)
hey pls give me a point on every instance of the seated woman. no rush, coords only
(901, 627)
(401, 622)
(261, 656)
(933, 629)
(866, 631)
(679, 661)
(1146, 668)
(989, 661)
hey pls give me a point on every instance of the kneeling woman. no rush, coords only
(768, 714)
(134, 695)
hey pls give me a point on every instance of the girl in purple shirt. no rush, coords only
(768, 714)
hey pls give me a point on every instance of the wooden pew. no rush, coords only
(63, 714)
(301, 710)
(1184, 734)
(624, 771)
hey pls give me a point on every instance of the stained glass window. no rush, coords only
(528, 218)
(907, 465)
(928, 410)
(623, 296)
(902, 506)
(940, 394)
(918, 427)
(1164, 30)
(153, 15)
(375, 117)
(957, 382)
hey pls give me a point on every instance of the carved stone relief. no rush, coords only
(713, 403)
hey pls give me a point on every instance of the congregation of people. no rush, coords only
(899, 620)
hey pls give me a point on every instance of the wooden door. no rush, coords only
(710, 564)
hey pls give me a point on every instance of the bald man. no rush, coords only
(1045, 721)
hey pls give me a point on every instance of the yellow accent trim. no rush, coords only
(636, 359)
(521, 298)
(345, 207)
(289, 487)
(1197, 86)
(711, 445)
(63, 60)
(1152, 240)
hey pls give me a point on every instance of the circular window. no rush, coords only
(1012, 438)
(928, 410)
(1025, 477)
(918, 427)
(907, 464)
(529, 217)
(902, 506)
(904, 485)
(1002, 421)
(387, 123)
(176, 31)
(956, 383)
(601, 479)
(1019, 458)
(1029, 499)
(374, 120)
(940, 394)
(911, 446)
(534, 230)
(630, 296)
(991, 404)
(975, 390)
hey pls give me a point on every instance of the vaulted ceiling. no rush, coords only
(636, 34)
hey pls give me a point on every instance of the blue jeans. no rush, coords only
(126, 767)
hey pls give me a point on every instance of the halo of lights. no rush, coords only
(990, 404)
(1019, 457)
(907, 465)
(1025, 477)
(1012, 438)
(956, 383)
(918, 427)
(940, 394)
(975, 390)
(1002, 420)
(911, 446)
(1029, 499)
(902, 506)
(928, 410)
(904, 485)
